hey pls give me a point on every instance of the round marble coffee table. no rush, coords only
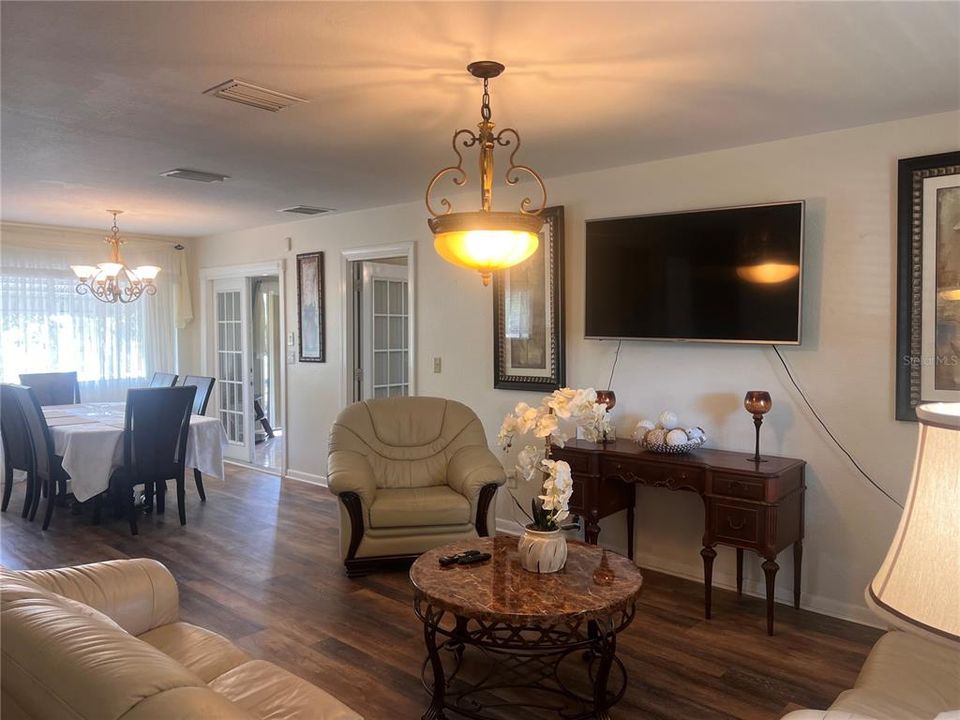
(545, 637)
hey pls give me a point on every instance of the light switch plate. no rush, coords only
(437, 365)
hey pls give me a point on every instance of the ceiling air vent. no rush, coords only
(253, 95)
(305, 210)
(197, 175)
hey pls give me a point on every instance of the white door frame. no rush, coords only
(207, 276)
(406, 250)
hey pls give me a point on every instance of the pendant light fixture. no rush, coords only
(113, 281)
(485, 240)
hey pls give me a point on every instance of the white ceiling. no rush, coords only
(99, 98)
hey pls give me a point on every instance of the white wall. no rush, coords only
(845, 364)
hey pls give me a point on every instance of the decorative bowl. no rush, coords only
(663, 449)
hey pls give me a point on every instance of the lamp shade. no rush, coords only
(918, 585)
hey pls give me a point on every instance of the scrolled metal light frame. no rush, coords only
(123, 287)
(527, 218)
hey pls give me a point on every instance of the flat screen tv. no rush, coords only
(724, 275)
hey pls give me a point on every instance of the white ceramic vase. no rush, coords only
(542, 551)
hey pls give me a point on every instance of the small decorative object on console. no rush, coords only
(543, 547)
(666, 436)
(757, 403)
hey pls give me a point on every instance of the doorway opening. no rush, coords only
(243, 350)
(379, 308)
(267, 363)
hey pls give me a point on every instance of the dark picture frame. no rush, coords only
(915, 333)
(311, 310)
(529, 339)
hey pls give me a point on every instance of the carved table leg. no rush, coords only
(607, 645)
(708, 554)
(770, 568)
(739, 572)
(797, 563)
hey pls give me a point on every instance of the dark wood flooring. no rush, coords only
(259, 563)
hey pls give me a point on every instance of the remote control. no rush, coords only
(471, 559)
(446, 560)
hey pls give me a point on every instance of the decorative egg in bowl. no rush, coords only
(667, 437)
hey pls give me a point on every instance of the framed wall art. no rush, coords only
(310, 307)
(528, 310)
(928, 282)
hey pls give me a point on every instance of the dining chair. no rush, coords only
(17, 452)
(163, 380)
(204, 387)
(155, 428)
(48, 472)
(53, 388)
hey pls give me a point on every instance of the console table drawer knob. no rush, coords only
(736, 525)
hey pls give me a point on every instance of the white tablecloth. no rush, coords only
(90, 439)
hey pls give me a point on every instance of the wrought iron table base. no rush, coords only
(524, 659)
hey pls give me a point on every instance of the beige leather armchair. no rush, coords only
(411, 474)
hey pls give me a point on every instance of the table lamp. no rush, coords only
(758, 404)
(917, 586)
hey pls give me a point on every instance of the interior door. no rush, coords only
(234, 365)
(385, 328)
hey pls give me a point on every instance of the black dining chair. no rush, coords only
(204, 387)
(53, 388)
(48, 472)
(155, 428)
(163, 380)
(17, 452)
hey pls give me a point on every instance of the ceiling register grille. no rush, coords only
(305, 210)
(253, 95)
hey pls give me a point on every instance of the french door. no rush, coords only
(385, 341)
(233, 365)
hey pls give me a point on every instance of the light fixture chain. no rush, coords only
(485, 106)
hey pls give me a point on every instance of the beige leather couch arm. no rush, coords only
(349, 471)
(470, 469)
(137, 594)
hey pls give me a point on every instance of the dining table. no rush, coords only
(89, 438)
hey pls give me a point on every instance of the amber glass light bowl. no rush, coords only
(607, 397)
(757, 402)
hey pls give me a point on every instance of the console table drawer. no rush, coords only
(737, 523)
(655, 475)
(578, 462)
(738, 487)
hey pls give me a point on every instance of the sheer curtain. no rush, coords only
(45, 326)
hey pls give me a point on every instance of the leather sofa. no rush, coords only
(104, 642)
(411, 474)
(905, 677)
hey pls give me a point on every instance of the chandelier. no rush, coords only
(113, 281)
(485, 240)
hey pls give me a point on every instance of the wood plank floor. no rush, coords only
(258, 563)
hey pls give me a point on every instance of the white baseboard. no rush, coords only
(815, 603)
(306, 477)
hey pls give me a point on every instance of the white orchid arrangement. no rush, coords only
(577, 407)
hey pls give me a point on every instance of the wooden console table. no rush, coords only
(747, 505)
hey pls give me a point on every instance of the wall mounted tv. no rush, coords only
(724, 275)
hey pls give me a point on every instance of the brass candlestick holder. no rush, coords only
(757, 403)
